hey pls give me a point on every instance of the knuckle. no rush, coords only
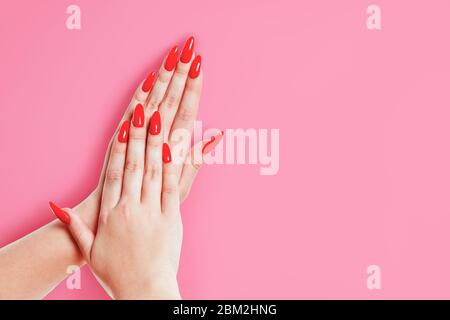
(186, 114)
(137, 135)
(153, 103)
(153, 143)
(113, 176)
(181, 72)
(170, 184)
(171, 100)
(139, 95)
(117, 149)
(132, 166)
(153, 171)
(169, 189)
(164, 77)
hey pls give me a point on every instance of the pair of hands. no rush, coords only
(129, 230)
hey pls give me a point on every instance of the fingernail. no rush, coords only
(123, 133)
(167, 156)
(59, 213)
(212, 143)
(138, 116)
(171, 59)
(148, 83)
(195, 67)
(155, 123)
(188, 49)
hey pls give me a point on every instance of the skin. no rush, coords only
(136, 248)
(33, 265)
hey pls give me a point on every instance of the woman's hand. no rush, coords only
(33, 265)
(136, 249)
(176, 92)
(136, 246)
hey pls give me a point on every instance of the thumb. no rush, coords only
(81, 233)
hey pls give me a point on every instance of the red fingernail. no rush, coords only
(148, 83)
(195, 67)
(167, 156)
(188, 49)
(138, 116)
(59, 213)
(212, 143)
(171, 59)
(123, 133)
(155, 123)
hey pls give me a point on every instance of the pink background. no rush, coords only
(364, 124)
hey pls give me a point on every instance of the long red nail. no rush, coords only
(188, 49)
(148, 83)
(155, 123)
(171, 60)
(138, 116)
(167, 156)
(195, 67)
(123, 133)
(59, 213)
(212, 143)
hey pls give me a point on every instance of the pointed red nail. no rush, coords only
(212, 143)
(195, 67)
(155, 123)
(148, 83)
(167, 156)
(123, 133)
(171, 60)
(188, 50)
(59, 213)
(138, 116)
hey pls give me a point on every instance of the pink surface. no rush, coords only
(364, 134)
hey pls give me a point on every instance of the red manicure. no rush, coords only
(212, 143)
(167, 156)
(138, 116)
(171, 59)
(188, 49)
(148, 83)
(123, 133)
(195, 67)
(155, 123)
(59, 213)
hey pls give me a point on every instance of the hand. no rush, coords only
(178, 111)
(51, 248)
(177, 95)
(136, 249)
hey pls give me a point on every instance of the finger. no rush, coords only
(183, 123)
(162, 82)
(83, 236)
(172, 98)
(170, 196)
(191, 167)
(112, 186)
(189, 105)
(81, 233)
(151, 188)
(134, 163)
(140, 96)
